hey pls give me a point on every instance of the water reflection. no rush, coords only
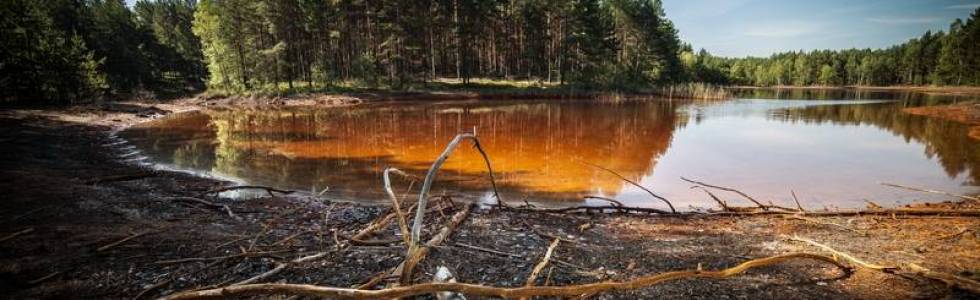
(832, 152)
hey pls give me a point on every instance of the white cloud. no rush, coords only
(964, 6)
(904, 20)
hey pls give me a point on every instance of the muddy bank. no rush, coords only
(91, 231)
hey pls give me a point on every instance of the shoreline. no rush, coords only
(53, 195)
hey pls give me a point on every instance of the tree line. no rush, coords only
(935, 58)
(66, 50)
(251, 44)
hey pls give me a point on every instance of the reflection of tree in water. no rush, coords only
(535, 148)
(185, 141)
(947, 140)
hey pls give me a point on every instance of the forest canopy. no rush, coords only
(935, 58)
(68, 50)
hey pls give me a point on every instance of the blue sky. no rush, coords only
(739, 28)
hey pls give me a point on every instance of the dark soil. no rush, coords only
(60, 176)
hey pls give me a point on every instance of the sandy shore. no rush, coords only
(82, 222)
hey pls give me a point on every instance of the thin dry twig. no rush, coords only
(402, 223)
(120, 242)
(504, 292)
(16, 234)
(281, 267)
(797, 200)
(543, 263)
(672, 210)
(744, 195)
(931, 191)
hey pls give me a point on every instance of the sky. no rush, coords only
(738, 28)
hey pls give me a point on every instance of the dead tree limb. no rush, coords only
(543, 263)
(281, 267)
(724, 206)
(504, 292)
(797, 200)
(746, 196)
(488, 250)
(634, 184)
(115, 178)
(931, 191)
(610, 200)
(416, 253)
(950, 279)
(430, 176)
(402, 223)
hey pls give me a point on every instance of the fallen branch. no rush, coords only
(610, 200)
(16, 234)
(488, 250)
(797, 200)
(746, 196)
(269, 190)
(504, 292)
(952, 280)
(417, 253)
(119, 242)
(543, 263)
(724, 206)
(402, 223)
(198, 259)
(931, 191)
(672, 210)
(281, 267)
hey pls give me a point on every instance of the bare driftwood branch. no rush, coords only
(634, 184)
(504, 292)
(543, 263)
(931, 191)
(281, 267)
(402, 223)
(430, 176)
(952, 280)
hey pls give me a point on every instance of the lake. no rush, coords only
(832, 148)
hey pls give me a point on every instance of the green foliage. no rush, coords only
(66, 50)
(250, 44)
(940, 58)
